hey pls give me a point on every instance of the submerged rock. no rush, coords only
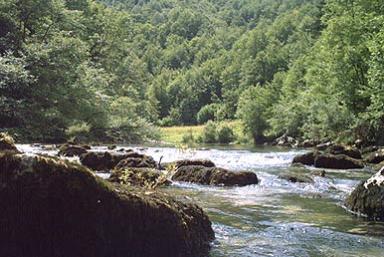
(142, 177)
(340, 161)
(51, 207)
(69, 150)
(368, 197)
(214, 176)
(7, 143)
(296, 177)
(297, 173)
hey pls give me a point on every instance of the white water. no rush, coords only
(275, 217)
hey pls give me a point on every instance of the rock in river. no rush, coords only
(107, 161)
(339, 161)
(214, 176)
(306, 159)
(142, 177)
(368, 197)
(7, 143)
(51, 207)
(69, 150)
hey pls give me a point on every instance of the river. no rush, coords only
(275, 217)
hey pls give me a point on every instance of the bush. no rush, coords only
(209, 133)
(206, 113)
(225, 134)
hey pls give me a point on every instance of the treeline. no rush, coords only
(304, 68)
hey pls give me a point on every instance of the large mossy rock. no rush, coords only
(141, 177)
(51, 207)
(214, 176)
(306, 159)
(135, 160)
(102, 160)
(69, 150)
(7, 143)
(180, 163)
(340, 161)
(375, 157)
(348, 151)
(368, 198)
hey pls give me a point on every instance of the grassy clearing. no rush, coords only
(174, 135)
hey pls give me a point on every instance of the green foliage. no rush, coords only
(207, 113)
(254, 108)
(209, 135)
(225, 134)
(305, 68)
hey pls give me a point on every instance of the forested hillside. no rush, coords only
(107, 70)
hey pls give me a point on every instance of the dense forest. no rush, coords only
(114, 70)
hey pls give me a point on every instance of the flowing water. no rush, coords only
(275, 217)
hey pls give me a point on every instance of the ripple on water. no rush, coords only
(275, 217)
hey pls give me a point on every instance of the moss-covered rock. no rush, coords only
(101, 160)
(50, 207)
(136, 160)
(339, 161)
(296, 177)
(7, 143)
(214, 176)
(375, 157)
(306, 159)
(197, 162)
(297, 174)
(142, 177)
(368, 197)
(69, 150)
(348, 151)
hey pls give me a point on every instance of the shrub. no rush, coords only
(209, 133)
(206, 113)
(225, 134)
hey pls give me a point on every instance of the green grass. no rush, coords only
(174, 135)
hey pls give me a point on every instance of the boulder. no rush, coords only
(285, 140)
(69, 150)
(201, 162)
(177, 164)
(375, 157)
(135, 160)
(51, 207)
(369, 149)
(339, 161)
(142, 177)
(368, 198)
(7, 143)
(107, 161)
(349, 151)
(323, 146)
(214, 176)
(306, 159)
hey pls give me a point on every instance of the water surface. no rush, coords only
(275, 217)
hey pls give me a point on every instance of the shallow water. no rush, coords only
(276, 217)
